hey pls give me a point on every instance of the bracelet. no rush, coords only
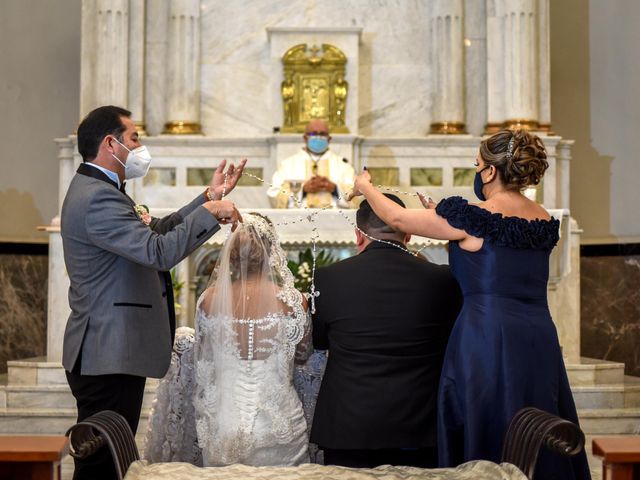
(208, 195)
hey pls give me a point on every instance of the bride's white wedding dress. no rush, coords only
(252, 414)
(228, 396)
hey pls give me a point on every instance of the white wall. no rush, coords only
(595, 100)
(39, 98)
(615, 108)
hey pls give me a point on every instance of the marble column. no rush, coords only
(136, 63)
(112, 52)
(104, 54)
(544, 68)
(183, 68)
(67, 166)
(512, 64)
(563, 169)
(447, 62)
(57, 296)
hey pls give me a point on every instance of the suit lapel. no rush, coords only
(89, 171)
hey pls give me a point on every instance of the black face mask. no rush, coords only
(478, 184)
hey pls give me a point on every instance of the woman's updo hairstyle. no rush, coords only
(519, 157)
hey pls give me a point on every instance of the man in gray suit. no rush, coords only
(122, 320)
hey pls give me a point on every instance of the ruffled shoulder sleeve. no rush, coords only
(501, 231)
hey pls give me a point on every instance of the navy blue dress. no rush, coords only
(503, 353)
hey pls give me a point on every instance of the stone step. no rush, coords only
(51, 396)
(599, 396)
(623, 395)
(3, 395)
(46, 421)
(35, 371)
(631, 392)
(591, 371)
(610, 421)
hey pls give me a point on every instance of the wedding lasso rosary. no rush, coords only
(315, 236)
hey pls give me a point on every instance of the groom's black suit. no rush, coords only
(385, 317)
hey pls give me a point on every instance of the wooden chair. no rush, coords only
(530, 430)
(105, 428)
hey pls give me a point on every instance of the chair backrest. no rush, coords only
(530, 429)
(104, 428)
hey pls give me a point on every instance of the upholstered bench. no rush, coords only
(477, 470)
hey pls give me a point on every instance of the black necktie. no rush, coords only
(122, 187)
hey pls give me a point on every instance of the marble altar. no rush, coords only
(208, 74)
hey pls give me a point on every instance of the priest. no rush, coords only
(316, 175)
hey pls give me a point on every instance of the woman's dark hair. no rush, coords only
(519, 157)
(98, 124)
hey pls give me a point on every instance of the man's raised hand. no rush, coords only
(217, 186)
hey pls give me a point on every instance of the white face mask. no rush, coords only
(138, 162)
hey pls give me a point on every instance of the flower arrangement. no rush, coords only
(301, 268)
(143, 213)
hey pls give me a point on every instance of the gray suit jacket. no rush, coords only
(119, 320)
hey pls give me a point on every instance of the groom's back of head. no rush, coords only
(371, 224)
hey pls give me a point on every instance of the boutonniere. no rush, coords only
(143, 213)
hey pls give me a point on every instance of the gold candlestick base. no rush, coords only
(448, 128)
(546, 128)
(520, 123)
(142, 128)
(182, 128)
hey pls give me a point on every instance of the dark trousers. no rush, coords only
(419, 457)
(119, 393)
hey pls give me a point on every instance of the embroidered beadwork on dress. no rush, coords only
(171, 435)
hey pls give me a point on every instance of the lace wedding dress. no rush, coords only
(228, 396)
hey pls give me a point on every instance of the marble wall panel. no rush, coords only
(23, 307)
(393, 75)
(475, 66)
(155, 67)
(399, 106)
(610, 309)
